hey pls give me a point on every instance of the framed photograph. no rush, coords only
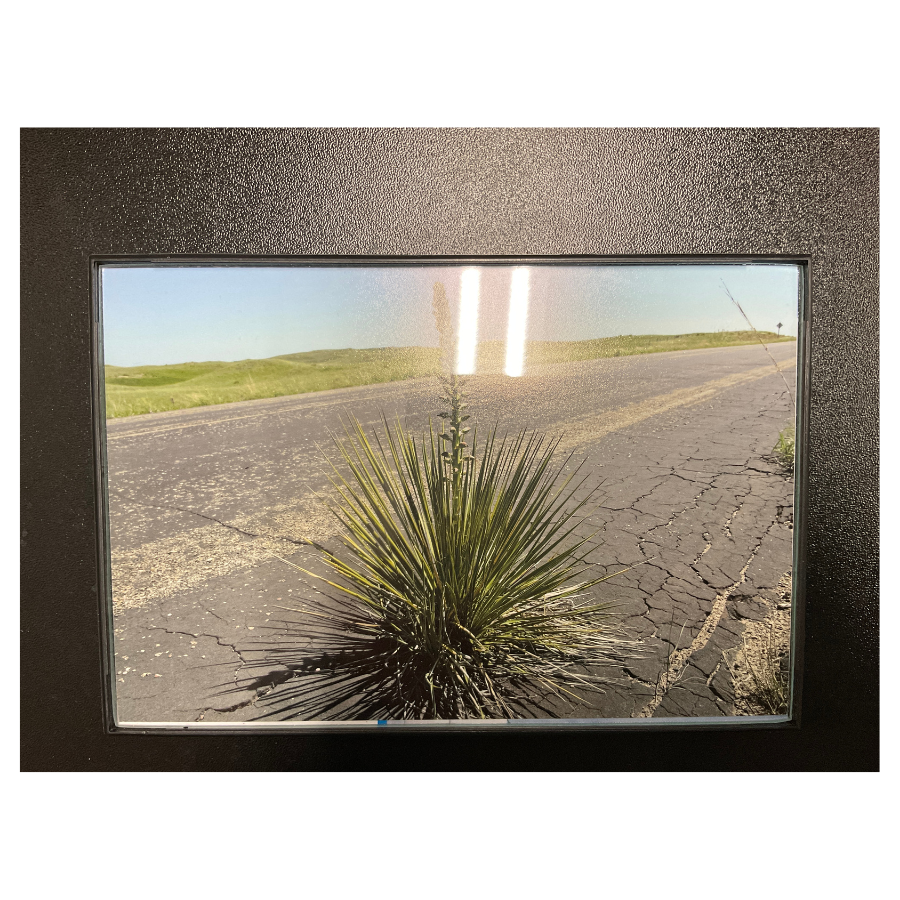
(257, 535)
(501, 493)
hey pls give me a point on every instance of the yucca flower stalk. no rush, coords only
(456, 456)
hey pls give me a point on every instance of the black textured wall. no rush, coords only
(448, 192)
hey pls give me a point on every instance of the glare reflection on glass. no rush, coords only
(518, 317)
(468, 322)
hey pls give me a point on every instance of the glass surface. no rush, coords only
(376, 493)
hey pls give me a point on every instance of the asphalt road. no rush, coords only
(678, 443)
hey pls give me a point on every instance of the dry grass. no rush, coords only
(758, 666)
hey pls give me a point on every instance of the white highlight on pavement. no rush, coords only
(518, 318)
(468, 322)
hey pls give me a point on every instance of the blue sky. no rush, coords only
(160, 315)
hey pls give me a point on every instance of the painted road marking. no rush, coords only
(590, 428)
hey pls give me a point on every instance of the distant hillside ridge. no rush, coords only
(136, 390)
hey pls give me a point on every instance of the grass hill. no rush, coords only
(142, 389)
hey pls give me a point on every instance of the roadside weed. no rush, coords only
(758, 667)
(784, 449)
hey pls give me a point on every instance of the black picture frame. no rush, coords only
(221, 193)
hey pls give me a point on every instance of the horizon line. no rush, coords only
(435, 348)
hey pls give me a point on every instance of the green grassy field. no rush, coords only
(144, 389)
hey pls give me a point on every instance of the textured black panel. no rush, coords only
(448, 192)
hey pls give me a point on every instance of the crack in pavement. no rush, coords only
(235, 676)
(678, 660)
(156, 570)
(193, 512)
(224, 710)
(195, 634)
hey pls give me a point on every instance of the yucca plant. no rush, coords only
(461, 587)
(456, 594)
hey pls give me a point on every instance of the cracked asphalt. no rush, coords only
(678, 446)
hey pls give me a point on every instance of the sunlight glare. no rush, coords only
(518, 316)
(468, 322)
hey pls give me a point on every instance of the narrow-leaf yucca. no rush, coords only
(462, 589)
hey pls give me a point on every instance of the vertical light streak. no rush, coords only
(468, 322)
(518, 319)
